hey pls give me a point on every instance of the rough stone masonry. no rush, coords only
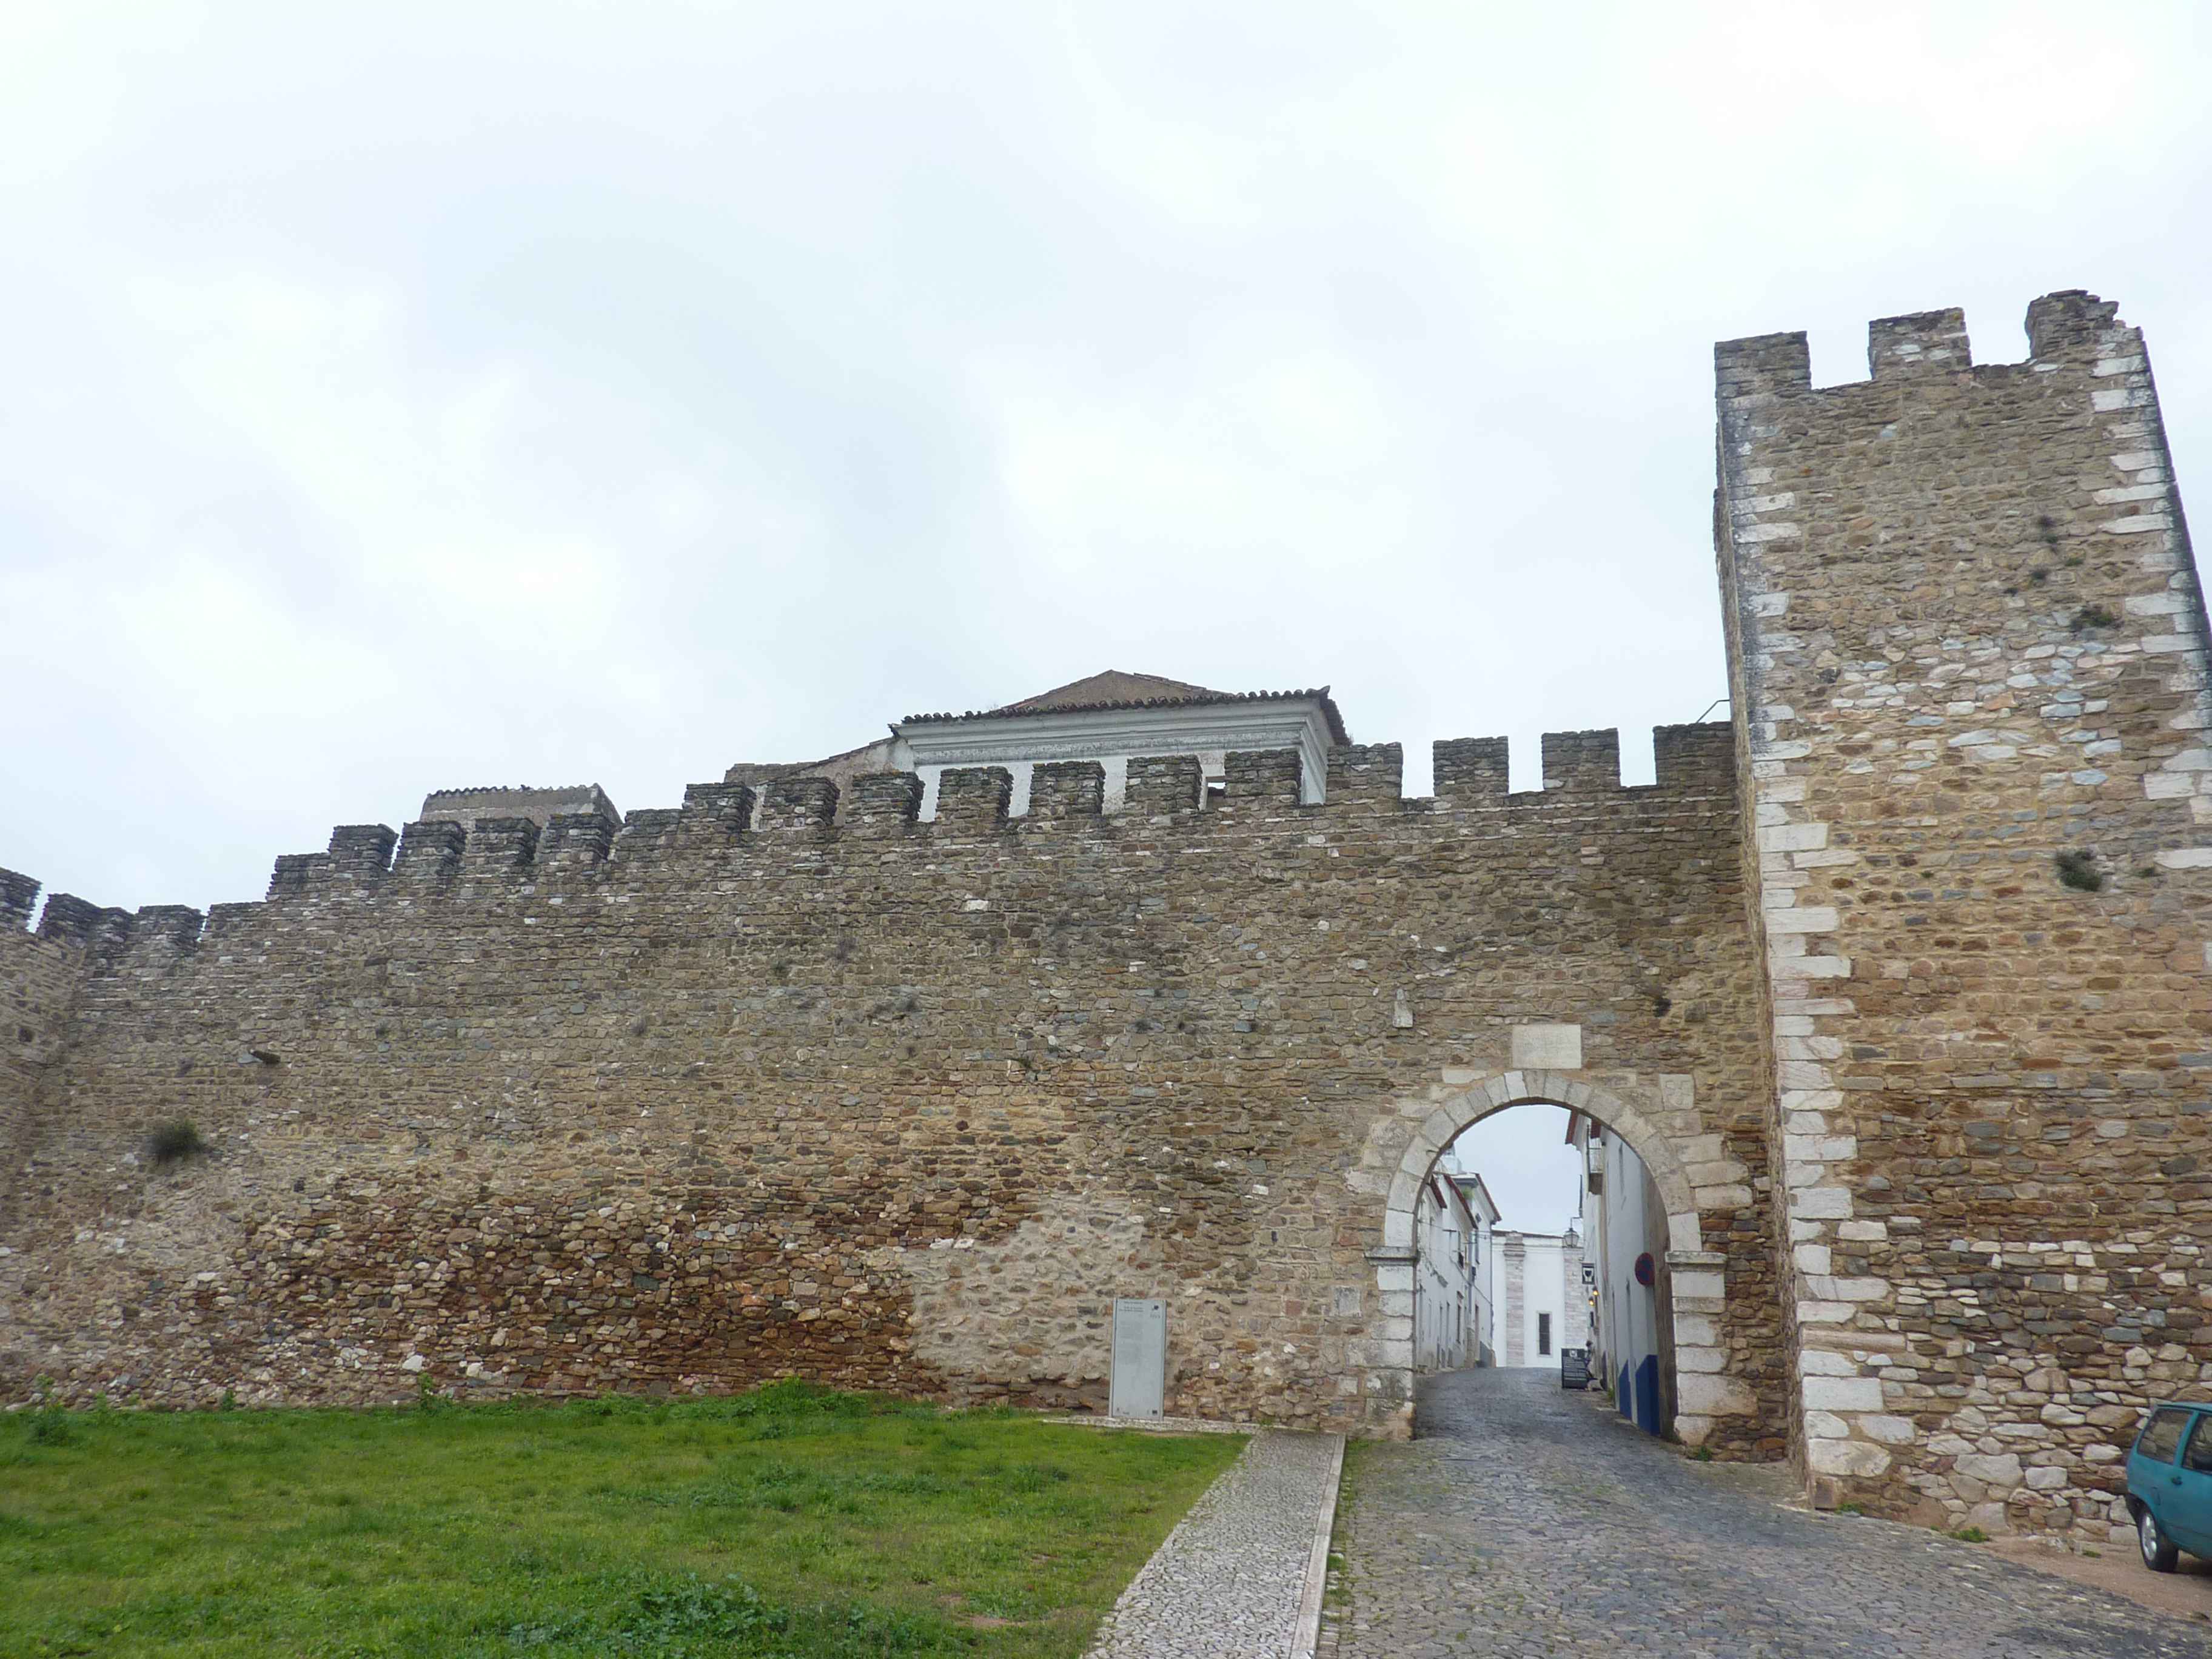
(1899, 984)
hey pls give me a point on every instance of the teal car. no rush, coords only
(2170, 1483)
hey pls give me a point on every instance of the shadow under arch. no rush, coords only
(1698, 1274)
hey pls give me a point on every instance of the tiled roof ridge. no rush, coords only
(515, 789)
(1014, 711)
(1108, 685)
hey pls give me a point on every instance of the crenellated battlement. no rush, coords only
(1265, 782)
(884, 803)
(1261, 791)
(1068, 789)
(1924, 342)
(804, 806)
(172, 927)
(70, 919)
(454, 856)
(2070, 329)
(973, 797)
(430, 852)
(19, 896)
(575, 841)
(713, 813)
(362, 848)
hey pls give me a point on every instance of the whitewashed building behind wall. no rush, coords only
(1632, 1338)
(1448, 1313)
(1112, 717)
(1536, 1285)
(1483, 1350)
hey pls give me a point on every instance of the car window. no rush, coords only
(2161, 1438)
(2199, 1454)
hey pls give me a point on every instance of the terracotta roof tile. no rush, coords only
(1115, 689)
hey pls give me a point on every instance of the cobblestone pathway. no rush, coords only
(1526, 1523)
(1226, 1583)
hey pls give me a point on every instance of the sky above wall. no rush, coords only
(424, 396)
(414, 396)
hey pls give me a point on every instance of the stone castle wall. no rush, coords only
(884, 1102)
(1899, 986)
(1970, 660)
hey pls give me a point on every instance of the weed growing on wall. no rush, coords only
(174, 1140)
(2079, 871)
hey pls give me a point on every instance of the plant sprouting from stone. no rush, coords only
(175, 1140)
(2093, 616)
(2078, 870)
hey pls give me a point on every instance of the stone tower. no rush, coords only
(1968, 655)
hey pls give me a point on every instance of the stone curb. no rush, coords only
(1306, 1639)
(1100, 1644)
(1241, 1575)
(1161, 1425)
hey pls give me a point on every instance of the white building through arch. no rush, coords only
(1631, 1326)
(1698, 1276)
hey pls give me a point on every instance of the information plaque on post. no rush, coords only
(1574, 1368)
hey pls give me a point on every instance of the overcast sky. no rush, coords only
(1523, 1158)
(419, 395)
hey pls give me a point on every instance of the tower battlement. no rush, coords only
(2074, 328)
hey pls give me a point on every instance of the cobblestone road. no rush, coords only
(1525, 1522)
(1225, 1584)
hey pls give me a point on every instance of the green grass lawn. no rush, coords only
(789, 1522)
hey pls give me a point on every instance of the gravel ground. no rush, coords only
(1526, 1521)
(1227, 1580)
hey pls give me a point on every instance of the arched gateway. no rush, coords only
(1706, 1389)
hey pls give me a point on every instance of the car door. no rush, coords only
(2189, 1517)
(2153, 1473)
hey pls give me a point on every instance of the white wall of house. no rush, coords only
(1446, 1308)
(1633, 1334)
(1482, 1346)
(1536, 1285)
(1210, 731)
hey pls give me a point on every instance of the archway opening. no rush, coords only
(1533, 1238)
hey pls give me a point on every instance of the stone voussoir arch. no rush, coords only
(1698, 1276)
